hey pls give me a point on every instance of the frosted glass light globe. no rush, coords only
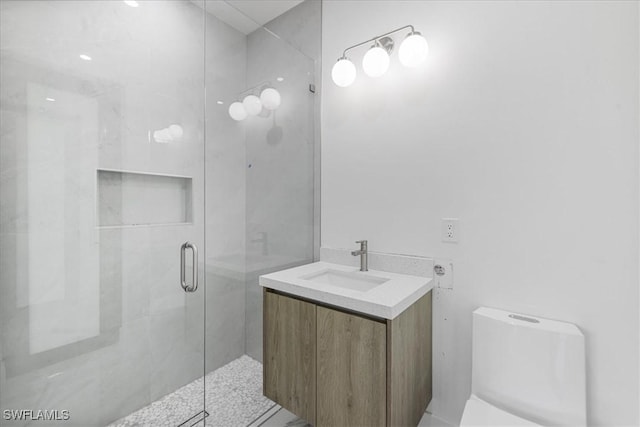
(270, 98)
(252, 104)
(343, 72)
(237, 111)
(375, 62)
(413, 50)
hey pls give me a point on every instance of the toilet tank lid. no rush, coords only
(525, 320)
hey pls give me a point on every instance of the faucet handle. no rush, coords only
(363, 243)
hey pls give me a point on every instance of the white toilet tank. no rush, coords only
(531, 367)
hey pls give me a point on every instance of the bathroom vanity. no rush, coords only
(345, 348)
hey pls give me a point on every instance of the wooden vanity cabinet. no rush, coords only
(289, 354)
(333, 367)
(351, 365)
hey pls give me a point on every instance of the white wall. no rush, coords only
(524, 124)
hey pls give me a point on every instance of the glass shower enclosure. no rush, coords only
(136, 215)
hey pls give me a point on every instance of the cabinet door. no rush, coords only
(351, 370)
(409, 375)
(290, 354)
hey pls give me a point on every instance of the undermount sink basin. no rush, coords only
(355, 281)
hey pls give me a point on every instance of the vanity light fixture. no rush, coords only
(237, 111)
(376, 61)
(343, 72)
(253, 105)
(413, 52)
(270, 98)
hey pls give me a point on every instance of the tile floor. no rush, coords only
(233, 399)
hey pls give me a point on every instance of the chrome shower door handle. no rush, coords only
(183, 280)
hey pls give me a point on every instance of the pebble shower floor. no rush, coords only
(233, 398)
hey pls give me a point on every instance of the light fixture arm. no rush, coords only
(344, 53)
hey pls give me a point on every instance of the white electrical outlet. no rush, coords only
(450, 230)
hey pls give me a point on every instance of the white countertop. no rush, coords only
(387, 300)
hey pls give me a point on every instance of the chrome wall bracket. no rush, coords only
(386, 43)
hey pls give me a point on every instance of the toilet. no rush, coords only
(526, 371)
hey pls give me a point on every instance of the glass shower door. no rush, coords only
(260, 190)
(102, 184)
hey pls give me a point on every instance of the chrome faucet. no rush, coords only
(363, 255)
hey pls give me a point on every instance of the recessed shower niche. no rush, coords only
(134, 198)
